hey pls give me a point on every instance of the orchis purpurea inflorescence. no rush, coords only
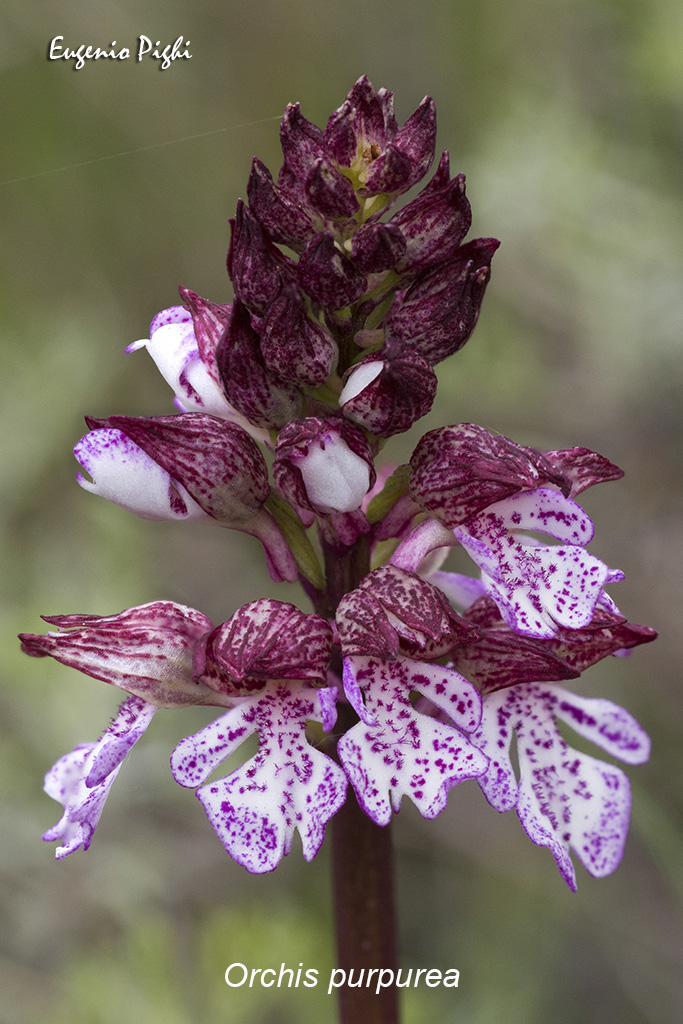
(342, 307)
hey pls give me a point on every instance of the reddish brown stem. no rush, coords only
(363, 888)
(362, 856)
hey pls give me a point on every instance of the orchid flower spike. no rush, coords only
(342, 309)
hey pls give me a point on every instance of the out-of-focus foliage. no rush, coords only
(566, 117)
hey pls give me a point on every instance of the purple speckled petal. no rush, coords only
(162, 615)
(263, 640)
(197, 756)
(329, 192)
(566, 800)
(536, 587)
(546, 510)
(287, 785)
(327, 696)
(81, 780)
(559, 586)
(352, 689)
(346, 527)
(209, 320)
(406, 753)
(131, 721)
(493, 738)
(147, 650)
(125, 475)
(605, 724)
(595, 826)
(377, 247)
(218, 462)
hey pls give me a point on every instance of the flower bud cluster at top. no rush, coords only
(356, 315)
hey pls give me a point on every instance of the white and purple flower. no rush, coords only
(387, 623)
(182, 342)
(190, 371)
(268, 664)
(190, 466)
(565, 799)
(81, 780)
(491, 492)
(271, 661)
(147, 651)
(288, 785)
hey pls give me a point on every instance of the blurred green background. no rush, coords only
(567, 118)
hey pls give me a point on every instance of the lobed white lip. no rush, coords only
(172, 345)
(360, 378)
(335, 478)
(125, 475)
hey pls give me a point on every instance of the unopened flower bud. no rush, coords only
(329, 192)
(434, 223)
(293, 345)
(217, 463)
(302, 144)
(324, 465)
(282, 218)
(257, 270)
(408, 156)
(378, 247)
(362, 125)
(252, 388)
(440, 309)
(263, 641)
(327, 275)
(387, 394)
